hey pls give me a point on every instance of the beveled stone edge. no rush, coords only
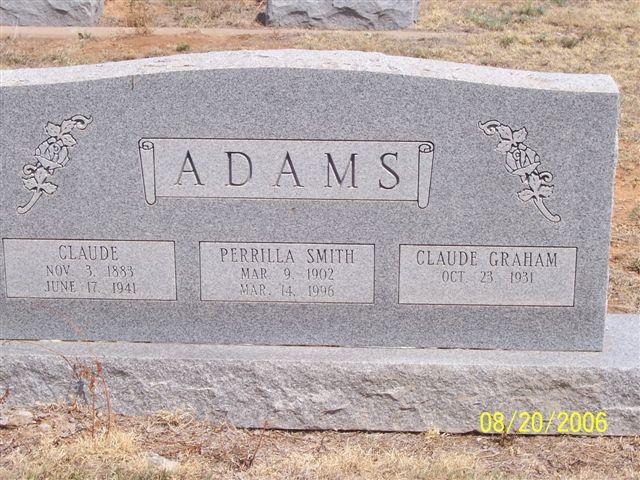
(621, 339)
(341, 60)
(340, 388)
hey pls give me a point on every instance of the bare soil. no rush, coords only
(62, 443)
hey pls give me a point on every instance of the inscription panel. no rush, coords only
(90, 269)
(487, 275)
(287, 272)
(286, 169)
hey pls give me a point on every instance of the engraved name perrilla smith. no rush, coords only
(286, 255)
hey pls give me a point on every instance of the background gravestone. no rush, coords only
(308, 198)
(343, 14)
(50, 12)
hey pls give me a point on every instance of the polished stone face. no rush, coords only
(308, 198)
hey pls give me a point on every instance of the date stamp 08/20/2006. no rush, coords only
(565, 422)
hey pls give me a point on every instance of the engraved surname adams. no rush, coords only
(286, 169)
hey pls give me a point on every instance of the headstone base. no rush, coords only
(379, 389)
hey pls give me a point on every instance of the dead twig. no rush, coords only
(247, 462)
(5, 395)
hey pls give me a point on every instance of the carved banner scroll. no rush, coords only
(286, 169)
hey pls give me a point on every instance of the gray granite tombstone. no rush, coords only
(343, 14)
(306, 198)
(50, 12)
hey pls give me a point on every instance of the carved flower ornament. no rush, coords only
(50, 155)
(523, 162)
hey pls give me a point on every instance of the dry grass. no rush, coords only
(185, 13)
(138, 14)
(58, 445)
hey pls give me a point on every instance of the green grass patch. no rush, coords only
(491, 21)
(507, 40)
(183, 47)
(488, 21)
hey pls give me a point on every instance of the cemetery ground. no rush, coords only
(77, 441)
(66, 442)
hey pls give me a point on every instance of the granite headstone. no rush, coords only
(306, 198)
(343, 14)
(59, 13)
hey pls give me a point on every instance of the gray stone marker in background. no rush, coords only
(343, 14)
(62, 13)
(306, 198)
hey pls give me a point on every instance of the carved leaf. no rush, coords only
(30, 183)
(509, 169)
(505, 132)
(534, 182)
(52, 129)
(68, 140)
(520, 136)
(525, 195)
(66, 126)
(526, 170)
(48, 187)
